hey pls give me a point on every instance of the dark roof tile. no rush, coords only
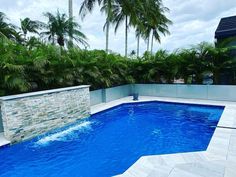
(226, 28)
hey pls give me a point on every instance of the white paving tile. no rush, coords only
(194, 156)
(181, 173)
(203, 169)
(230, 172)
(173, 159)
(158, 173)
(232, 144)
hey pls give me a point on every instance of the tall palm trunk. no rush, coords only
(71, 16)
(126, 35)
(25, 35)
(148, 39)
(107, 34)
(53, 39)
(152, 43)
(138, 44)
(70, 8)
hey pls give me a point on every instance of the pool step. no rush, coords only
(3, 140)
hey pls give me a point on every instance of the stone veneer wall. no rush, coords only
(28, 115)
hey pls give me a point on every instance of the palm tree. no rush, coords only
(71, 16)
(12, 67)
(28, 25)
(138, 34)
(6, 30)
(139, 23)
(124, 11)
(60, 27)
(88, 6)
(157, 22)
(107, 5)
(195, 62)
(3, 24)
(149, 19)
(162, 28)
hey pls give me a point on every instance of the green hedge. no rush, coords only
(26, 69)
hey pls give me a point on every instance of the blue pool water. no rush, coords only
(109, 142)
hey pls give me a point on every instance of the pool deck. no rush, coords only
(219, 160)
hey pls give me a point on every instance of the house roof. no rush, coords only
(226, 28)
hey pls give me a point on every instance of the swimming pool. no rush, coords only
(109, 142)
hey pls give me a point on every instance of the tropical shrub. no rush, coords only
(45, 66)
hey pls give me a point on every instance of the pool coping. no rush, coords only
(218, 160)
(40, 93)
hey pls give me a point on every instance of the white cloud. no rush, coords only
(194, 21)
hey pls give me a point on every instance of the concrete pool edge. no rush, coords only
(218, 160)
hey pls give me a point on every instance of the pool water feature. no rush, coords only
(109, 142)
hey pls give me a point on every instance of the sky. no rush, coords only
(194, 21)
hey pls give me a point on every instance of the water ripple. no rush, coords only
(60, 136)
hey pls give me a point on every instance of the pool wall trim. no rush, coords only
(39, 93)
(205, 92)
(110, 94)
